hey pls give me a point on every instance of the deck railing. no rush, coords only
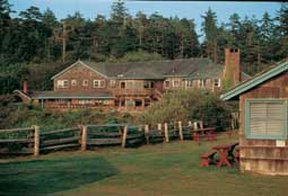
(133, 92)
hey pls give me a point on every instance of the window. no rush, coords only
(112, 83)
(146, 84)
(129, 103)
(216, 82)
(122, 85)
(167, 84)
(85, 83)
(129, 85)
(62, 83)
(176, 83)
(266, 119)
(138, 102)
(189, 83)
(99, 83)
(73, 82)
(201, 83)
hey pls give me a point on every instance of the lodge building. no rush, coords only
(132, 85)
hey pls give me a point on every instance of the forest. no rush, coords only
(35, 45)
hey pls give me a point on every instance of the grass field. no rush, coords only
(161, 169)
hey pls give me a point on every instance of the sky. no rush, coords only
(183, 9)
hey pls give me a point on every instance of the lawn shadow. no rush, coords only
(40, 177)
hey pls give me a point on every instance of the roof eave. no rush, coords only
(84, 64)
(235, 92)
(72, 97)
(137, 78)
(22, 93)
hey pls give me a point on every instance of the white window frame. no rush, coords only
(98, 83)
(176, 83)
(250, 134)
(62, 84)
(189, 83)
(73, 82)
(112, 83)
(201, 83)
(167, 82)
(85, 82)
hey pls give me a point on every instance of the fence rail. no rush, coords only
(16, 130)
(31, 140)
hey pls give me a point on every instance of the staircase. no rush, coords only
(157, 95)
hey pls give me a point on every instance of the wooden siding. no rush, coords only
(263, 155)
(79, 73)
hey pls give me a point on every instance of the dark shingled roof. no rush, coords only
(259, 78)
(191, 68)
(70, 95)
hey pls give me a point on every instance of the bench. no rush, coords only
(232, 152)
(237, 155)
(206, 158)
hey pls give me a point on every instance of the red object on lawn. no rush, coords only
(224, 151)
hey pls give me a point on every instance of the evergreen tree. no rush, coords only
(282, 19)
(209, 27)
(268, 38)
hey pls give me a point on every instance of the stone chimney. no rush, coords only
(25, 86)
(232, 65)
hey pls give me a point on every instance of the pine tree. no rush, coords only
(209, 27)
(282, 19)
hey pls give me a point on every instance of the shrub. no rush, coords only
(187, 105)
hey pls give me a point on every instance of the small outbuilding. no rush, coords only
(263, 110)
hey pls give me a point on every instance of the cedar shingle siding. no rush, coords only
(263, 106)
(127, 86)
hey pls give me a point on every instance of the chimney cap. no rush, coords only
(233, 50)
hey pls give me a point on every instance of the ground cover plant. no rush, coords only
(161, 169)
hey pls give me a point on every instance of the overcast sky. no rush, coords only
(182, 9)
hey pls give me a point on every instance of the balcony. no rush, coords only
(133, 92)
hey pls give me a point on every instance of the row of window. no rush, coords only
(85, 83)
(191, 83)
(147, 84)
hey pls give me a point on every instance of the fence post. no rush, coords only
(159, 126)
(166, 132)
(146, 128)
(36, 140)
(124, 136)
(180, 130)
(195, 126)
(201, 124)
(84, 138)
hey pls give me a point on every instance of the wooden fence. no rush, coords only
(32, 141)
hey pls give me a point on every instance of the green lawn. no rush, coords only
(161, 169)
